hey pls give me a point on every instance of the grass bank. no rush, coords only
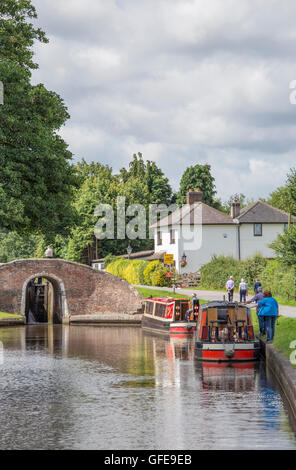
(146, 292)
(9, 315)
(285, 333)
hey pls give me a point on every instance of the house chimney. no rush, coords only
(194, 196)
(235, 209)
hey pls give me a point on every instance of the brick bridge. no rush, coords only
(77, 289)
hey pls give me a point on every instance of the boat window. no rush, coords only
(184, 308)
(160, 310)
(222, 315)
(149, 307)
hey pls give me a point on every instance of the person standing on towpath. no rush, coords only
(257, 284)
(259, 296)
(243, 290)
(230, 284)
(269, 309)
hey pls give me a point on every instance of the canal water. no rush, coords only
(90, 387)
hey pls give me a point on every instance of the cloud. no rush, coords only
(178, 80)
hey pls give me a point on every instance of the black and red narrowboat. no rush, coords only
(167, 315)
(225, 333)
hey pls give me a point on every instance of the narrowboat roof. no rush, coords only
(222, 303)
(164, 299)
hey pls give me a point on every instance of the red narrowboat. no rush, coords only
(167, 315)
(225, 333)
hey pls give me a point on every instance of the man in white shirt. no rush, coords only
(230, 284)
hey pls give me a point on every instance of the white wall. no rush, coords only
(166, 246)
(250, 245)
(209, 240)
(200, 244)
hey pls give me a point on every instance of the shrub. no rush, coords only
(158, 276)
(273, 274)
(150, 268)
(109, 259)
(130, 270)
(215, 274)
(278, 278)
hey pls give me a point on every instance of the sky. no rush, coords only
(184, 82)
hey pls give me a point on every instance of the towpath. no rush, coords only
(285, 310)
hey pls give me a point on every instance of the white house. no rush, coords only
(197, 232)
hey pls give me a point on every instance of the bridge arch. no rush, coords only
(60, 305)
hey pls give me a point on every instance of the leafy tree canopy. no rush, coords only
(36, 176)
(17, 33)
(285, 246)
(157, 184)
(198, 176)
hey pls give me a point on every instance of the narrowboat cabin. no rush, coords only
(167, 315)
(225, 333)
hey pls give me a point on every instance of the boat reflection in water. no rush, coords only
(234, 377)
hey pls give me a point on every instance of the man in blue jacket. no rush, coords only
(269, 309)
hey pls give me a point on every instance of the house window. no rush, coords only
(159, 238)
(172, 237)
(257, 230)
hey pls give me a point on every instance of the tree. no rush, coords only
(14, 246)
(36, 175)
(142, 183)
(157, 184)
(284, 197)
(235, 197)
(283, 200)
(17, 33)
(198, 176)
(285, 246)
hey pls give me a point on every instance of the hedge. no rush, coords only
(150, 273)
(215, 274)
(272, 274)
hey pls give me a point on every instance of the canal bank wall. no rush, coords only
(12, 321)
(283, 371)
(107, 319)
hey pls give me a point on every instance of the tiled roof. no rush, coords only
(202, 214)
(195, 214)
(262, 213)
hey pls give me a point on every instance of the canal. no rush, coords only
(89, 387)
